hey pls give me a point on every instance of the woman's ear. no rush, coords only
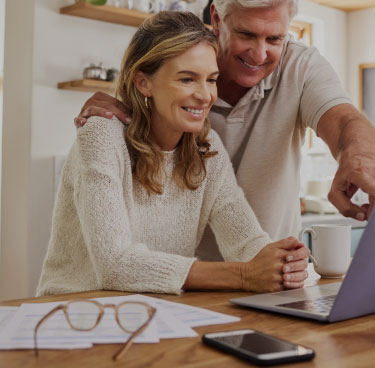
(142, 83)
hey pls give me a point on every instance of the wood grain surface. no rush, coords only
(344, 344)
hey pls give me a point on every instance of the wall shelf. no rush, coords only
(88, 85)
(106, 13)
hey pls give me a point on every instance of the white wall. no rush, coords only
(361, 38)
(63, 46)
(334, 23)
(2, 21)
(15, 188)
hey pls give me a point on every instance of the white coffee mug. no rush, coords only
(330, 249)
(146, 6)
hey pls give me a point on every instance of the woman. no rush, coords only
(133, 202)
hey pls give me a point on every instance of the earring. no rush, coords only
(147, 103)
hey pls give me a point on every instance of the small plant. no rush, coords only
(96, 2)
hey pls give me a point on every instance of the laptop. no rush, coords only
(354, 297)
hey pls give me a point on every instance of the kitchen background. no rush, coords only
(39, 48)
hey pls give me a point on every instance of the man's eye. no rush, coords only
(212, 80)
(246, 34)
(275, 39)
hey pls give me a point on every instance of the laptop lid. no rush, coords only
(355, 296)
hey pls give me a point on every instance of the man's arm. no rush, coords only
(351, 139)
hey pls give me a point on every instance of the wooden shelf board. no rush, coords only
(347, 5)
(106, 13)
(88, 85)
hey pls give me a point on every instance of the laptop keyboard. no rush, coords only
(318, 305)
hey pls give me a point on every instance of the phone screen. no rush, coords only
(257, 343)
(258, 347)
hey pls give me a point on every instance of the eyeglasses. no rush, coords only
(85, 315)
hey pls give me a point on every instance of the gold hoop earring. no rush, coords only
(147, 103)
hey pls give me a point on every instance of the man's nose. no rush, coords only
(258, 52)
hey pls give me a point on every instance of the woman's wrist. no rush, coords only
(214, 276)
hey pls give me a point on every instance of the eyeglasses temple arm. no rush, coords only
(129, 343)
(49, 314)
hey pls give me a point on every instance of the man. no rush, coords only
(270, 89)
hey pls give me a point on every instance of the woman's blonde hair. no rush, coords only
(165, 35)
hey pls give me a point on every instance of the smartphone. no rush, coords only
(258, 347)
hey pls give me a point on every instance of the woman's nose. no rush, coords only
(203, 93)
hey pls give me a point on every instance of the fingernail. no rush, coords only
(82, 122)
(289, 258)
(288, 276)
(360, 216)
(287, 284)
(128, 120)
(108, 114)
(286, 268)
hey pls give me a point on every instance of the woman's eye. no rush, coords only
(186, 80)
(212, 80)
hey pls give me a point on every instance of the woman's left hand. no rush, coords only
(295, 267)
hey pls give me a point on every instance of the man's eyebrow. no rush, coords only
(250, 33)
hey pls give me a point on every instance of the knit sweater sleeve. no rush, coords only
(236, 227)
(100, 199)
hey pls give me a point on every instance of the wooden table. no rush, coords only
(342, 344)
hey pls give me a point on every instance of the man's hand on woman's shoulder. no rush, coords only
(104, 105)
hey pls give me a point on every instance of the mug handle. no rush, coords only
(152, 5)
(313, 236)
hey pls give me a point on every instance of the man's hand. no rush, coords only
(356, 171)
(351, 139)
(101, 104)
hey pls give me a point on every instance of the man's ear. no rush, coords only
(215, 20)
(142, 83)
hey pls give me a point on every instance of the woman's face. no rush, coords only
(183, 91)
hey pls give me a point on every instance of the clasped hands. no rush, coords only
(278, 266)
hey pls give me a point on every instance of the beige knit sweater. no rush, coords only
(107, 233)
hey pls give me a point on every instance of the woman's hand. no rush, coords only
(277, 266)
(101, 104)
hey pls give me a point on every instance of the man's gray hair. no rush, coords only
(224, 7)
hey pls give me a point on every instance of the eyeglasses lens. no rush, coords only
(132, 316)
(83, 315)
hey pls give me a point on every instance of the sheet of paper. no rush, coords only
(6, 314)
(167, 326)
(189, 315)
(57, 333)
(172, 320)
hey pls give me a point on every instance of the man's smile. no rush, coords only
(252, 67)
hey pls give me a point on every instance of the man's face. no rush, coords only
(251, 42)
